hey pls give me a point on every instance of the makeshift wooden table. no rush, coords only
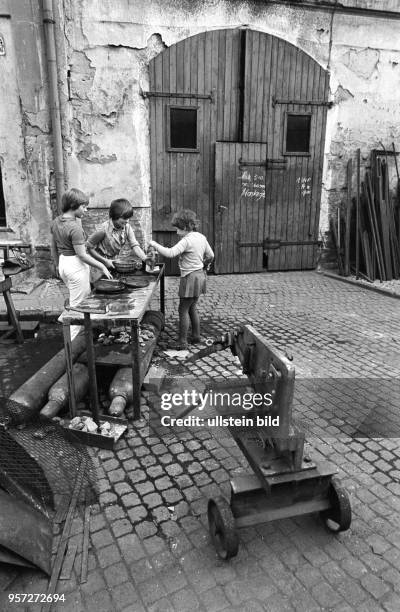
(132, 317)
(13, 325)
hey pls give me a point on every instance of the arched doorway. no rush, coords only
(237, 130)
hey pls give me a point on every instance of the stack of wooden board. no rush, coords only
(366, 230)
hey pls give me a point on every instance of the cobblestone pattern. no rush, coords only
(150, 548)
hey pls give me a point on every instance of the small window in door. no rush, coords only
(298, 134)
(3, 221)
(182, 129)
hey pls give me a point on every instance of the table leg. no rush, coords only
(135, 369)
(69, 366)
(91, 363)
(5, 287)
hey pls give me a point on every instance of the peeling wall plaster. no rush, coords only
(107, 46)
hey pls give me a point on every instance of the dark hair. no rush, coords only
(185, 220)
(120, 208)
(72, 199)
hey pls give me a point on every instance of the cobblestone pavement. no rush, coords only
(150, 547)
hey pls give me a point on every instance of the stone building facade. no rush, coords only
(103, 52)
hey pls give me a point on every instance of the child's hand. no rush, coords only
(106, 272)
(109, 263)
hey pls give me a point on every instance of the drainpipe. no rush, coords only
(49, 23)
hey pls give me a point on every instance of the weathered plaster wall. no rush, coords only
(25, 139)
(106, 47)
(112, 42)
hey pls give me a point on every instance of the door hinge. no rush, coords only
(268, 244)
(175, 94)
(268, 164)
(276, 101)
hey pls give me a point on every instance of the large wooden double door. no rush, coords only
(237, 126)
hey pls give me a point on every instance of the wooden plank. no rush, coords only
(367, 254)
(384, 222)
(267, 113)
(52, 585)
(211, 61)
(369, 199)
(228, 86)
(255, 106)
(270, 202)
(235, 92)
(290, 221)
(261, 82)
(358, 186)
(164, 158)
(261, 153)
(204, 196)
(69, 559)
(314, 164)
(246, 85)
(85, 545)
(391, 219)
(68, 368)
(311, 89)
(174, 58)
(91, 365)
(234, 226)
(219, 212)
(297, 168)
(275, 225)
(192, 175)
(348, 218)
(62, 510)
(153, 146)
(136, 382)
(157, 158)
(221, 85)
(334, 231)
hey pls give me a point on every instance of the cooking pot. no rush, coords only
(126, 265)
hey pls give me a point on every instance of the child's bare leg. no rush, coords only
(194, 319)
(184, 320)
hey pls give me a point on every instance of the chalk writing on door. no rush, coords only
(305, 185)
(252, 185)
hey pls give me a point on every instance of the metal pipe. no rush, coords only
(49, 23)
(25, 403)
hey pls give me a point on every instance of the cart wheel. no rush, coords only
(221, 524)
(338, 516)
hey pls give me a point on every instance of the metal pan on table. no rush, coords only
(135, 283)
(106, 285)
(109, 285)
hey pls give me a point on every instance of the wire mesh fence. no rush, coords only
(39, 465)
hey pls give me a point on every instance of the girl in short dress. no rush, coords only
(194, 253)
